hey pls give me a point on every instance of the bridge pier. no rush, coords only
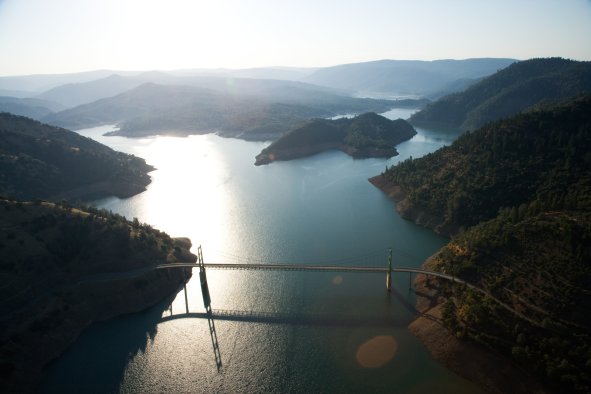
(203, 280)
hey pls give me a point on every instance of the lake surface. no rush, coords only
(281, 331)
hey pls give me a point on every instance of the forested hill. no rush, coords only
(519, 87)
(42, 161)
(540, 158)
(65, 268)
(522, 189)
(536, 262)
(366, 135)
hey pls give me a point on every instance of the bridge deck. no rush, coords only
(296, 267)
(303, 267)
(334, 268)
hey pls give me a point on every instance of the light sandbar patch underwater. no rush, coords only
(377, 352)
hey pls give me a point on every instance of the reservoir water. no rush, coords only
(280, 331)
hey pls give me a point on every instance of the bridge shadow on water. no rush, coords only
(115, 343)
(297, 319)
(293, 318)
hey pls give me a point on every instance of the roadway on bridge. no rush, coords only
(308, 267)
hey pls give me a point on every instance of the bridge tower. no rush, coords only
(389, 274)
(203, 279)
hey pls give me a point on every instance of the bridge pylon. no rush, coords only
(203, 280)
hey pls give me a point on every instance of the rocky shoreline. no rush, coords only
(103, 189)
(410, 212)
(366, 135)
(489, 370)
(296, 153)
(34, 336)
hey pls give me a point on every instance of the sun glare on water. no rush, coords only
(189, 197)
(189, 172)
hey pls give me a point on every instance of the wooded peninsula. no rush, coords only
(366, 135)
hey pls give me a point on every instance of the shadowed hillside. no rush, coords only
(536, 261)
(539, 156)
(521, 187)
(42, 161)
(60, 271)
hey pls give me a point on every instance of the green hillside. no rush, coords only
(521, 188)
(540, 157)
(537, 262)
(42, 161)
(519, 87)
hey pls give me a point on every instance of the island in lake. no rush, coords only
(366, 135)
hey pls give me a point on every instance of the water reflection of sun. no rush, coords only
(189, 174)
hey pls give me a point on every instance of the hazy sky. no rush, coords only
(55, 36)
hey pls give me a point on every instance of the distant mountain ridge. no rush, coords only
(405, 76)
(519, 87)
(155, 109)
(30, 107)
(39, 83)
(287, 91)
(74, 94)
(393, 77)
(270, 103)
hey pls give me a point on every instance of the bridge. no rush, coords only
(323, 268)
(237, 315)
(317, 268)
(209, 313)
(275, 317)
(290, 267)
(297, 267)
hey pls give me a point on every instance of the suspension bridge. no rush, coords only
(388, 271)
(209, 313)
